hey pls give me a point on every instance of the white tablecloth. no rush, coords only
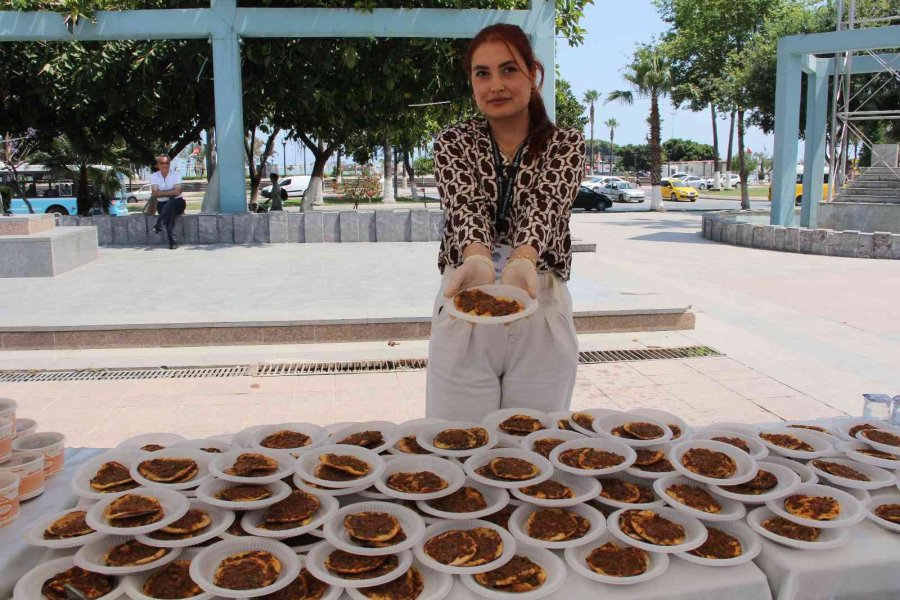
(868, 567)
(17, 557)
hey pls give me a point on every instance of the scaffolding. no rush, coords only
(847, 107)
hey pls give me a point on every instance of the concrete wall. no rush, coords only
(346, 226)
(859, 216)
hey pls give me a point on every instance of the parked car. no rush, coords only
(588, 199)
(295, 185)
(676, 191)
(622, 191)
(598, 183)
(694, 181)
(680, 175)
(142, 194)
(735, 181)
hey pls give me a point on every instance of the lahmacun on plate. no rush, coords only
(491, 304)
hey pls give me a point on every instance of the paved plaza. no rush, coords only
(803, 337)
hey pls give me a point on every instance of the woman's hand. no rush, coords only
(475, 270)
(521, 272)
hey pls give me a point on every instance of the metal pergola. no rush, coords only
(224, 24)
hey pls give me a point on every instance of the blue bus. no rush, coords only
(49, 194)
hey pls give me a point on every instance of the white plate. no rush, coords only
(174, 505)
(597, 413)
(747, 428)
(333, 492)
(198, 456)
(751, 546)
(577, 559)
(851, 449)
(315, 562)
(389, 432)
(694, 531)
(35, 535)
(878, 445)
(29, 585)
(92, 557)
(506, 291)
(556, 577)
(81, 481)
(242, 439)
(687, 431)
(605, 425)
(805, 473)
(788, 482)
(829, 432)
(519, 519)
(410, 522)
(635, 472)
(878, 478)
(328, 507)
(605, 444)
(884, 497)
(758, 450)
(411, 428)
(221, 462)
(557, 434)
(437, 585)
(732, 510)
(862, 495)
(745, 466)
(545, 469)
(828, 538)
(134, 584)
(852, 512)
(317, 434)
(161, 439)
(446, 470)
(204, 565)
(221, 445)
(637, 481)
(221, 520)
(492, 422)
(206, 493)
(584, 489)
(509, 546)
(426, 434)
(371, 493)
(495, 498)
(821, 446)
(308, 462)
(843, 426)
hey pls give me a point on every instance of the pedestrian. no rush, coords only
(507, 182)
(165, 186)
(275, 198)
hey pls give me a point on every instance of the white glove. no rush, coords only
(521, 273)
(476, 270)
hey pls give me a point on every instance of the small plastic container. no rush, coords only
(7, 431)
(25, 427)
(9, 498)
(51, 444)
(29, 467)
(8, 408)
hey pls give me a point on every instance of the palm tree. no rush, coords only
(612, 124)
(650, 76)
(590, 97)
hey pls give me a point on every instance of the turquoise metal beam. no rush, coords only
(544, 46)
(814, 151)
(848, 40)
(787, 130)
(20, 26)
(227, 87)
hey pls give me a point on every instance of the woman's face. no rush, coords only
(501, 86)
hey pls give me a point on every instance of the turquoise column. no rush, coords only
(787, 129)
(544, 46)
(229, 110)
(814, 149)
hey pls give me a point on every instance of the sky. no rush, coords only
(614, 27)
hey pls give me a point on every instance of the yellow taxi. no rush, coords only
(678, 191)
(798, 190)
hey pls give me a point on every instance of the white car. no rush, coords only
(142, 194)
(735, 181)
(694, 181)
(598, 183)
(622, 191)
(294, 185)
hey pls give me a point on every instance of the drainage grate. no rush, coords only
(320, 368)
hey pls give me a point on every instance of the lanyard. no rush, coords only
(506, 180)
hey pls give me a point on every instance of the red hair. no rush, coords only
(540, 127)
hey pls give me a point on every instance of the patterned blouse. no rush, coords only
(546, 186)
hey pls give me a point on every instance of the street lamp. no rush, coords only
(284, 156)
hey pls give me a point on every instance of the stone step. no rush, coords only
(879, 192)
(874, 183)
(878, 177)
(869, 199)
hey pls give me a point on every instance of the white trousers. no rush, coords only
(531, 363)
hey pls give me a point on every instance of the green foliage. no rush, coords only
(569, 111)
(635, 157)
(678, 149)
(364, 188)
(423, 164)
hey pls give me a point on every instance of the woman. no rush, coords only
(507, 184)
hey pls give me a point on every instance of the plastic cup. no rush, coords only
(9, 498)
(29, 467)
(51, 444)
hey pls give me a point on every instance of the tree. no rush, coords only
(569, 111)
(649, 76)
(590, 97)
(636, 158)
(15, 152)
(686, 150)
(612, 124)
